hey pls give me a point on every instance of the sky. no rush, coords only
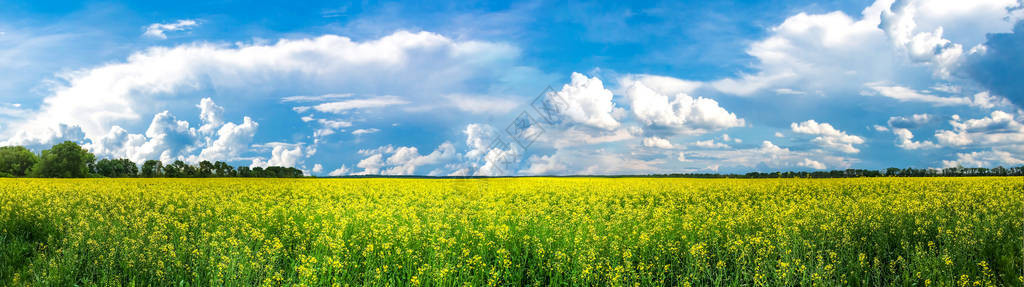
(522, 88)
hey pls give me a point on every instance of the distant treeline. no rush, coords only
(890, 172)
(69, 160)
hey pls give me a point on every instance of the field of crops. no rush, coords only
(536, 231)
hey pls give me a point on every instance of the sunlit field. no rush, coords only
(520, 231)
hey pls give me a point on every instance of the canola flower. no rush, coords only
(515, 231)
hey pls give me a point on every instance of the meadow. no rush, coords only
(513, 231)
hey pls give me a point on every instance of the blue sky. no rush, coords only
(434, 88)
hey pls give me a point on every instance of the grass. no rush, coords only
(518, 231)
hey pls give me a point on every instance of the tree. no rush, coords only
(205, 168)
(244, 171)
(257, 172)
(16, 160)
(178, 169)
(152, 168)
(66, 159)
(222, 169)
(128, 168)
(117, 168)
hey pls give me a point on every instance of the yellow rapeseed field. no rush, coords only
(515, 231)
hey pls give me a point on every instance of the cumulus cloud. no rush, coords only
(403, 160)
(661, 84)
(596, 162)
(985, 159)
(906, 140)
(587, 102)
(657, 142)
(920, 28)
(232, 140)
(281, 154)
(996, 130)
(158, 30)
(828, 136)
(710, 144)
(913, 121)
(341, 171)
(826, 52)
(167, 138)
(680, 111)
(767, 156)
(119, 93)
(811, 164)
(210, 114)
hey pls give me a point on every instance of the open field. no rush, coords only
(579, 231)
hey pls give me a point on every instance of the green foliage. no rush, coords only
(152, 168)
(117, 168)
(16, 160)
(65, 160)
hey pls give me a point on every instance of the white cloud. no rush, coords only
(657, 142)
(339, 172)
(360, 132)
(812, 52)
(373, 102)
(710, 144)
(779, 135)
(998, 129)
(320, 98)
(679, 111)
(828, 136)
(479, 104)
(834, 52)
(404, 160)
(766, 156)
(906, 140)
(681, 157)
(317, 168)
(121, 93)
(593, 162)
(920, 28)
(661, 84)
(232, 140)
(985, 159)
(903, 94)
(588, 102)
(282, 154)
(210, 114)
(158, 30)
(811, 164)
(577, 136)
(913, 121)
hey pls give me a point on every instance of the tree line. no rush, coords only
(69, 160)
(889, 172)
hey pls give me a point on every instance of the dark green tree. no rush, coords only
(152, 168)
(244, 171)
(178, 169)
(205, 169)
(16, 160)
(222, 169)
(66, 160)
